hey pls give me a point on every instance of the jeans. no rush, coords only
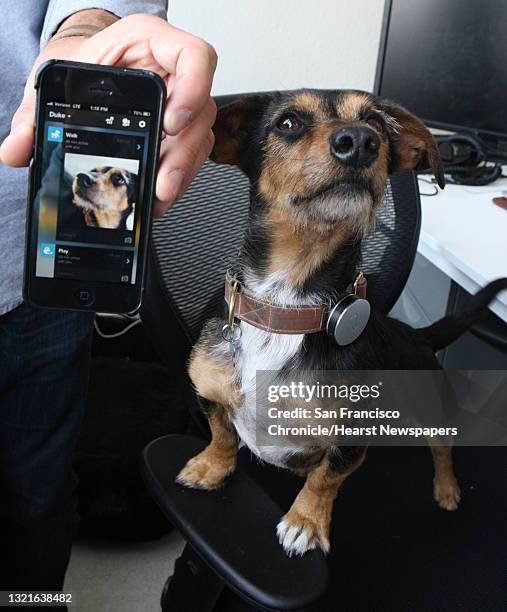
(44, 366)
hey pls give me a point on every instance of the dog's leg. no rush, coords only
(446, 489)
(210, 468)
(213, 379)
(306, 524)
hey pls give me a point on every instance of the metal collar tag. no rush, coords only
(348, 319)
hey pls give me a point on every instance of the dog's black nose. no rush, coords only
(85, 180)
(355, 146)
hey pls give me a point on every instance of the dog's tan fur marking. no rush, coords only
(104, 219)
(379, 176)
(213, 378)
(306, 525)
(350, 105)
(210, 468)
(308, 102)
(446, 489)
(284, 175)
(298, 252)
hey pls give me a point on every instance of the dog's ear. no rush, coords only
(414, 146)
(131, 186)
(235, 124)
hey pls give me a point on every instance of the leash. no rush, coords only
(344, 321)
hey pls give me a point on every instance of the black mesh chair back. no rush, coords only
(198, 239)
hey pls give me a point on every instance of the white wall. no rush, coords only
(285, 44)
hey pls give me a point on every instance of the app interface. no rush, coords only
(87, 209)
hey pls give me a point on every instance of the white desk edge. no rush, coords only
(458, 262)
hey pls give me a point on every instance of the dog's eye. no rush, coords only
(289, 123)
(117, 179)
(375, 122)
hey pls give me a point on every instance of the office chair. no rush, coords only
(232, 559)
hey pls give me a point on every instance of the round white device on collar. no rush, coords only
(348, 319)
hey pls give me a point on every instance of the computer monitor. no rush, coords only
(446, 61)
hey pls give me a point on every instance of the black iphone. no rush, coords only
(92, 181)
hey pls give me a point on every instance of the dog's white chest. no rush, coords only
(260, 350)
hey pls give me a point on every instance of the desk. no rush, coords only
(465, 235)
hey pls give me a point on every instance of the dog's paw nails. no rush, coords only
(200, 473)
(447, 495)
(186, 478)
(298, 536)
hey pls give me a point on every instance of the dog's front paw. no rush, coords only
(298, 534)
(202, 472)
(446, 493)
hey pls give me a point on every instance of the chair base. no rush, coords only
(193, 587)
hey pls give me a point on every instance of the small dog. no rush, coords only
(106, 197)
(318, 162)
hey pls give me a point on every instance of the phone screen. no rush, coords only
(87, 211)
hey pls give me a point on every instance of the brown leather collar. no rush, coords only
(282, 319)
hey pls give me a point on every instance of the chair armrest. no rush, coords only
(233, 530)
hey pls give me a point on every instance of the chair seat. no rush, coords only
(233, 530)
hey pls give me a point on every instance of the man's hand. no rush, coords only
(185, 63)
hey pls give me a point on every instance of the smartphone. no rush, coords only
(92, 182)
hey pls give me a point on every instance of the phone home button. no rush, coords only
(84, 296)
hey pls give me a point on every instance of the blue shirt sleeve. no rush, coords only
(59, 10)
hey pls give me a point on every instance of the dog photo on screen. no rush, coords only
(103, 190)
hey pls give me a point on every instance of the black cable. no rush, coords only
(465, 161)
(478, 176)
(428, 182)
